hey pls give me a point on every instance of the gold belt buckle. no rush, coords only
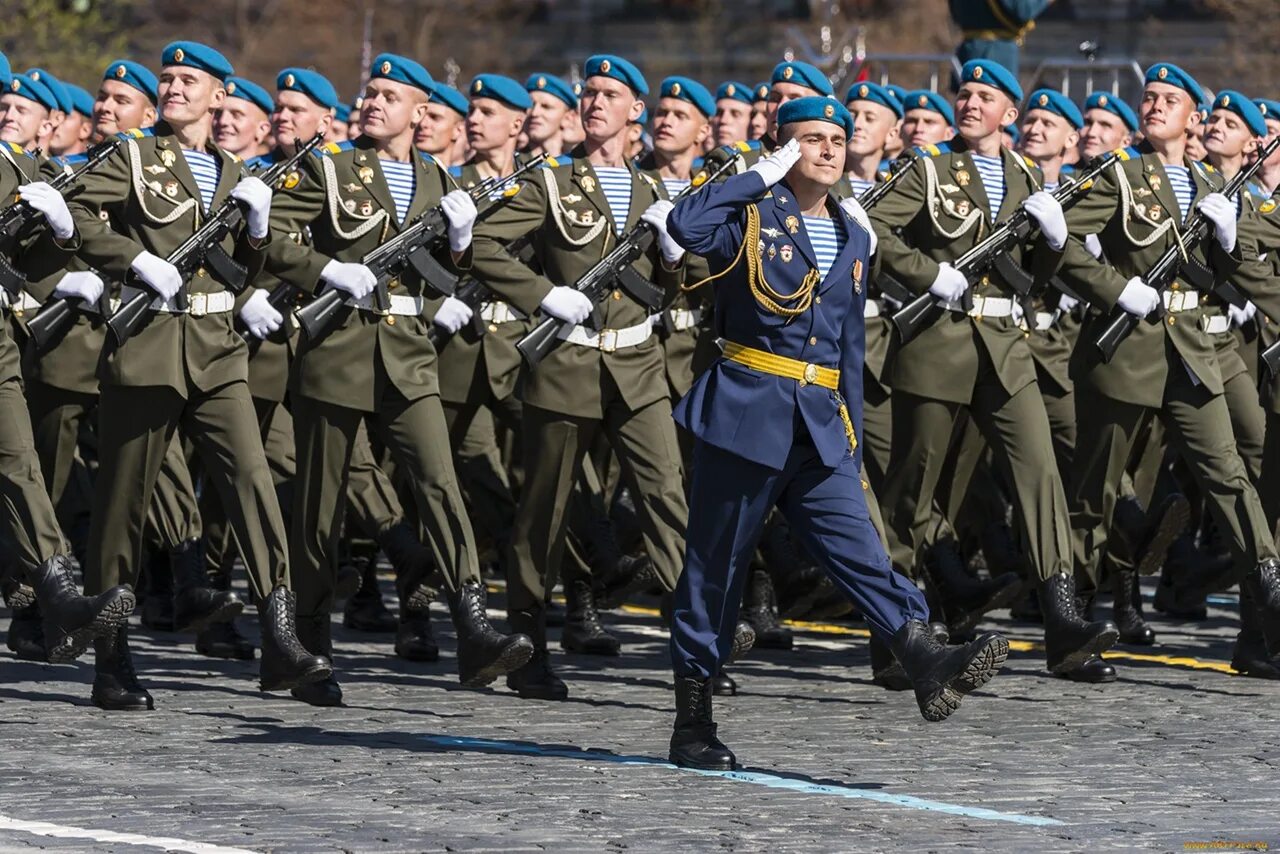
(199, 305)
(608, 340)
(810, 375)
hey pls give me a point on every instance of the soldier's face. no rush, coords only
(678, 126)
(1166, 112)
(983, 110)
(491, 124)
(391, 108)
(299, 116)
(925, 127)
(71, 131)
(779, 94)
(759, 120)
(606, 107)
(240, 127)
(1227, 135)
(188, 95)
(1102, 132)
(1046, 135)
(120, 107)
(873, 127)
(546, 118)
(438, 130)
(1273, 130)
(732, 122)
(822, 151)
(23, 121)
(337, 131)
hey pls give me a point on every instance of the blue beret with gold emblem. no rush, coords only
(687, 89)
(924, 99)
(401, 69)
(899, 92)
(1229, 99)
(735, 90)
(247, 90)
(313, 84)
(56, 87)
(802, 74)
(815, 109)
(1114, 105)
(1270, 109)
(876, 94)
(197, 56)
(24, 86)
(1053, 101)
(501, 89)
(1167, 72)
(760, 93)
(81, 100)
(1015, 133)
(991, 73)
(608, 65)
(6, 71)
(133, 74)
(450, 97)
(552, 85)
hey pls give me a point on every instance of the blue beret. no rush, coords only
(135, 75)
(450, 97)
(6, 73)
(342, 113)
(735, 90)
(802, 74)
(313, 84)
(608, 65)
(643, 118)
(1167, 72)
(56, 87)
(247, 90)
(689, 90)
(21, 84)
(552, 85)
(503, 89)
(1229, 99)
(198, 56)
(876, 94)
(81, 100)
(816, 109)
(1269, 109)
(1053, 101)
(899, 92)
(760, 93)
(923, 99)
(1116, 106)
(994, 74)
(1015, 133)
(402, 70)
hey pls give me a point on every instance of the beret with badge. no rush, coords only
(133, 74)
(401, 69)
(61, 94)
(815, 108)
(552, 85)
(802, 74)
(617, 68)
(1247, 110)
(198, 56)
(25, 87)
(310, 83)
(504, 90)
(1053, 101)
(993, 74)
(1114, 105)
(1167, 72)
(691, 91)
(924, 99)
(450, 97)
(734, 90)
(875, 94)
(247, 90)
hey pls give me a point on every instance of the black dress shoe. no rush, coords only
(326, 692)
(693, 740)
(1092, 670)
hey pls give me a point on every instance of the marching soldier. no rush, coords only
(444, 124)
(927, 119)
(72, 135)
(732, 120)
(58, 114)
(759, 119)
(554, 105)
(126, 99)
(1108, 123)
(243, 122)
(27, 108)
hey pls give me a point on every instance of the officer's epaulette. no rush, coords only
(455, 171)
(68, 160)
(935, 150)
(1202, 167)
(431, 159)
(331, 148)
(1257, 192)
(136, 133)
(14, 148)
(562, 160)
(742, 146)
(1130, 153)
(1031, 164)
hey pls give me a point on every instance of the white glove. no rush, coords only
(82, 284)
(460, 212)
(355, 280)
(1045, 210)
(1221, 211)
(1138, 298)
(566, 304)
(1094, 245)
(158, 274)
(256, 196)
(1241, 316)
(656, 215)
(1067, 304)
(260, 315)
(52, 207)
(853, 209)
(775, 167)
(452, 315)
(950, 283)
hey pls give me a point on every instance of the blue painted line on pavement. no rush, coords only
(758, 778)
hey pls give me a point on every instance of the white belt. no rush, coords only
(685, 318)
(1176, 301)
(198, 304)
(871, 309)
(1216, 324)
(985, 307)
(607, 340)
(401, 305)
(499, 312)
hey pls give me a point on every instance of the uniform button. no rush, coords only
(1174, 286)
(813, 341)
(617, 294)
(391, 320)
(200, 272)
(1172, 321)
(493, 327)
(818, 300)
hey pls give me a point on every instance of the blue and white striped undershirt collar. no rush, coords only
(675, 186)
(1184, 188)
(204, 168)
(826, 236)
(615, 182)
(991, 170)
(860, 186)
(400, 181)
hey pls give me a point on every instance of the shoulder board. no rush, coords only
(331, 148)
(741, 147)
(68, 160)
(1067, 169)
(430, 159)
(1202, 167)
(136, 133)
(1256, 191)
(934, 150)
(1031, 164)
(886, 165)
(455, 171)
(698, 163)
(14, 148)
(262, 161)
(1130, 153)
(562, 160)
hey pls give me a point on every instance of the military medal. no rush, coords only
(785, 252)
(963, 208)
(773, 251)
(155, 169)
(350, 205)
(351, 188)
(587, 217)
(782, 199)
(366, 208)
(571, 199)
(365, 173)
(588, 183)
(761, 247)
(1155, 182)
(857, 275)
(963, 177)
(793, 224)
(1154, 213)
(171, 189)
(167, 157)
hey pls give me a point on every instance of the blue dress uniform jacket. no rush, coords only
(753, 414)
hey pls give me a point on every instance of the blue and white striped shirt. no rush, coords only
(991, 170)
(1183, 188)
(827, 239)
(204, 168)
(860, 186)
(400, 181)
(675, 186)
(615, 181)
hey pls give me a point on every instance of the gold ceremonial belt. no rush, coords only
(780, 366)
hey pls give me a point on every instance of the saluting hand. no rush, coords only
(776, 166)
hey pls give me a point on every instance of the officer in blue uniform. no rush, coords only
(776, 421)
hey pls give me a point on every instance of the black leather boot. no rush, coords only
(314, 634)
(1188, 577)
(1250, 657)
(115, 683)
(365, 611)
(412, 561)
(583, 632)
(744, 638)
(286, 663)
(1148, 536)
(724, 685)
(196, 604)
(1069, 640)
(71, 621)
(223, 640)
(1127, 609)
(1026, 608)
(1000, 550)
(156, 587)
(1092, 670)
(885, 669)
(484, 653)
(26, 634)
(942, 675)
(963, 598)
(414, 640)
(534, 680)
(693, 741)
(634, 576)
(760, 611)
(1262, 585)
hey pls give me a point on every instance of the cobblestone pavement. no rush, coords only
(1177, 751)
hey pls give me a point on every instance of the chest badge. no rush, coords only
(587, 217)
(351, 187)
(588, 183)
(365, 174)
(171, 189)
(1155, 183)
(773, 251)
(291, 180)
(572, 199)
(366, 208)
(167, 157)
(793, 224)
(785, 253)
(1155, 213)
(771, 232)
(963, 207)
(857, 275)
(155, 169)
(963, 178)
